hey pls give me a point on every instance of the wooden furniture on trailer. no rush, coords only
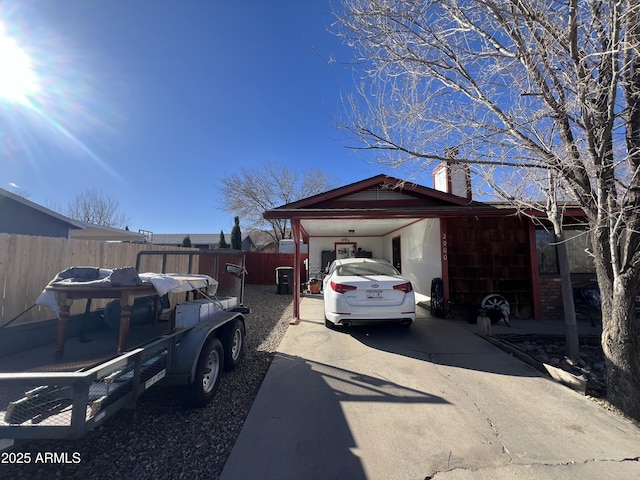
(66, 294)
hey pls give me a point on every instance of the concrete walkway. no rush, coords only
(432, 401)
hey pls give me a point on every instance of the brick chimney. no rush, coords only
(453, 177)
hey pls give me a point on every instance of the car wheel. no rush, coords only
(208, 374)
(233, 340)
(330, 325)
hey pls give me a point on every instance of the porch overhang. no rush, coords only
(371, 221)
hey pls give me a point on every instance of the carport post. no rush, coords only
(295, 227)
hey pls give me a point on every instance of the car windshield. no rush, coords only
(366, 268)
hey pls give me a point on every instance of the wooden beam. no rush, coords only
(295, 227)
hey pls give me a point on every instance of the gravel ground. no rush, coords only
(161, 438)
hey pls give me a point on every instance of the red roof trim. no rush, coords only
(393, 183)
(324, 205)
(435, 212)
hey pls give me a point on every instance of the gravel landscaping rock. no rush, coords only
(163, 439)
(551, 350)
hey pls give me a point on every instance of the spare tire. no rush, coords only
(437, 298)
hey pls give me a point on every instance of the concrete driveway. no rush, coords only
(432, 401)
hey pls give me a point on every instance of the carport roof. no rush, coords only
(377, 206)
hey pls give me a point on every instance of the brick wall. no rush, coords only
(551, 306)
(551, 297)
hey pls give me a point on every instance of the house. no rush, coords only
(475, 248)
(19, 215)
(264, 241)
(286, 246)
(199, 240)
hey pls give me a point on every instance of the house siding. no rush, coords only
(317, 245)
(489, 255)
(16, 218)
(420, 254)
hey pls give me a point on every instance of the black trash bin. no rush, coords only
(284, 280)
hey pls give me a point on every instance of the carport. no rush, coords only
(385, 217)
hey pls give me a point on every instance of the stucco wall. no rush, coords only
(419, 246)
(420, 254)
(319, 244)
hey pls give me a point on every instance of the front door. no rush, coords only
(395, 252)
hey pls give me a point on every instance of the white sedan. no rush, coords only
(366, 290)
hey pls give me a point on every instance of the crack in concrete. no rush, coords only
(492, 425)
(438, 474)
(495, 430)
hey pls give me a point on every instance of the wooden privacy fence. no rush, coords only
(29, 263)
(261, 267)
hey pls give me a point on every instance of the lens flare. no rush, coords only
(46, 99)
(18, 80)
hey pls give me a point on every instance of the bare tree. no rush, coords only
(524, 188)
(522, 84)
(92, 206)
(253, 191)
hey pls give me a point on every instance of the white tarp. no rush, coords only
(177, 283)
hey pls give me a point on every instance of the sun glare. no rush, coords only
(50, 98)
(17, 77)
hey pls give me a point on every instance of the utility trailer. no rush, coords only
(46, 397)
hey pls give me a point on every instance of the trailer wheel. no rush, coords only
(233, 341)
(208, 374)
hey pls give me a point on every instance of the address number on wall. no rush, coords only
(444, 246)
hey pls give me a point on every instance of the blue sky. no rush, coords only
(153, 102)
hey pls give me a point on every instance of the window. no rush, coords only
(366, 268)
(547, 256)
(577, 243)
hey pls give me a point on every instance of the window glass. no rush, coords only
(547, 257)
(366, 268)
(577, 245)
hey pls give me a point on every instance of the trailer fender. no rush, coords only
(184, 360)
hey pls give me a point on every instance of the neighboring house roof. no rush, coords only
(203, 240)
(287, 246)
(107, 234)
(261, 239)
(248, 245)
(195, 238)
(30, 218)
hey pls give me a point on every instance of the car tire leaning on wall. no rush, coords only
(437, 298)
